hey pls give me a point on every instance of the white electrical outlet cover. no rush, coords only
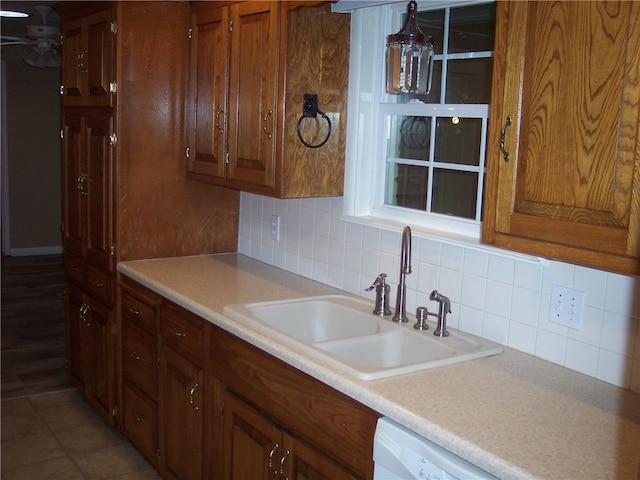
(566, 307)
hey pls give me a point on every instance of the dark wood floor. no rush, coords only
(32, 326)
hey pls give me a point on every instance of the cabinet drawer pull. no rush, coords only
(137, 416)
(194, 407)
(136, 357)
(177, 333)
(503, 132)
(134, 310)
(97, 283)
(272, 471)
(264, 124)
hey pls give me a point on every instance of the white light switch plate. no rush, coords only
(566, 307)
(275, 227)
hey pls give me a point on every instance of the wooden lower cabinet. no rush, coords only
(181, 399)
(256, 448)
(138, 417)
(216, 407)
(90, 356)
(324, 430)
(181, 423)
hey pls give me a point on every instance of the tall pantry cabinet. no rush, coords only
(125, 194)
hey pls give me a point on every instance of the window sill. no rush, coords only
(463, 241)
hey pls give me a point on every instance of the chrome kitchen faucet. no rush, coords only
(400, 314)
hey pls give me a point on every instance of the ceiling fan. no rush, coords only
(42, 40)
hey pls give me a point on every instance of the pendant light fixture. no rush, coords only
(409, 58)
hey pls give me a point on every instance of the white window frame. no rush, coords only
(368, 111)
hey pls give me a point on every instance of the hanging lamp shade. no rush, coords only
(409, 58)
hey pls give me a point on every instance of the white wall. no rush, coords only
(500, 298)
(32, 172)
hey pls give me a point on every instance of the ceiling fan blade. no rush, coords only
(9, 40)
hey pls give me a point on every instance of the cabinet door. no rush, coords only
(304, 462)
(100, 345)
(73, 72)
(253, 119)
(567, 73)
(99, 189)
(77, 345)
(73, 182)
(180, 418)
(253, 445)
(100, 62)
(208, 92)
(88, 185)
(90, 349)
(88, 60)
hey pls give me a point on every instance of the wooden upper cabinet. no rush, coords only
(316, 61)
(88, 60)
(208, 92)
(251, 64)
(567, 74)
(252, 93)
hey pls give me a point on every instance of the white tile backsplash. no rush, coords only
(503, 299)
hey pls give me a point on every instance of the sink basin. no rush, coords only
(344, 332)
(313, 320)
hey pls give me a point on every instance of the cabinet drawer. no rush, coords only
(74, 268)
(100, 284)
(139, 421)
(139, 358)
(183, 331)
(138, 312)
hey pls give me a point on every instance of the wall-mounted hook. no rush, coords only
(310, 110)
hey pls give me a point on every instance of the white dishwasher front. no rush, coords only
(400, 454)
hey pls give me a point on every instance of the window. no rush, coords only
(420, 159)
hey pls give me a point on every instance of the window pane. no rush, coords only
(472, 29)
(432, 23)
(458, 140)
(469, 80)
(410, 137)
(407, 186)
(454, 193)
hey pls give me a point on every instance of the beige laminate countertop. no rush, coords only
(512, 415)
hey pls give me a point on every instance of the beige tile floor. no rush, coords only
(59, 436)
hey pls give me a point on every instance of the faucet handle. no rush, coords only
(380, 280)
